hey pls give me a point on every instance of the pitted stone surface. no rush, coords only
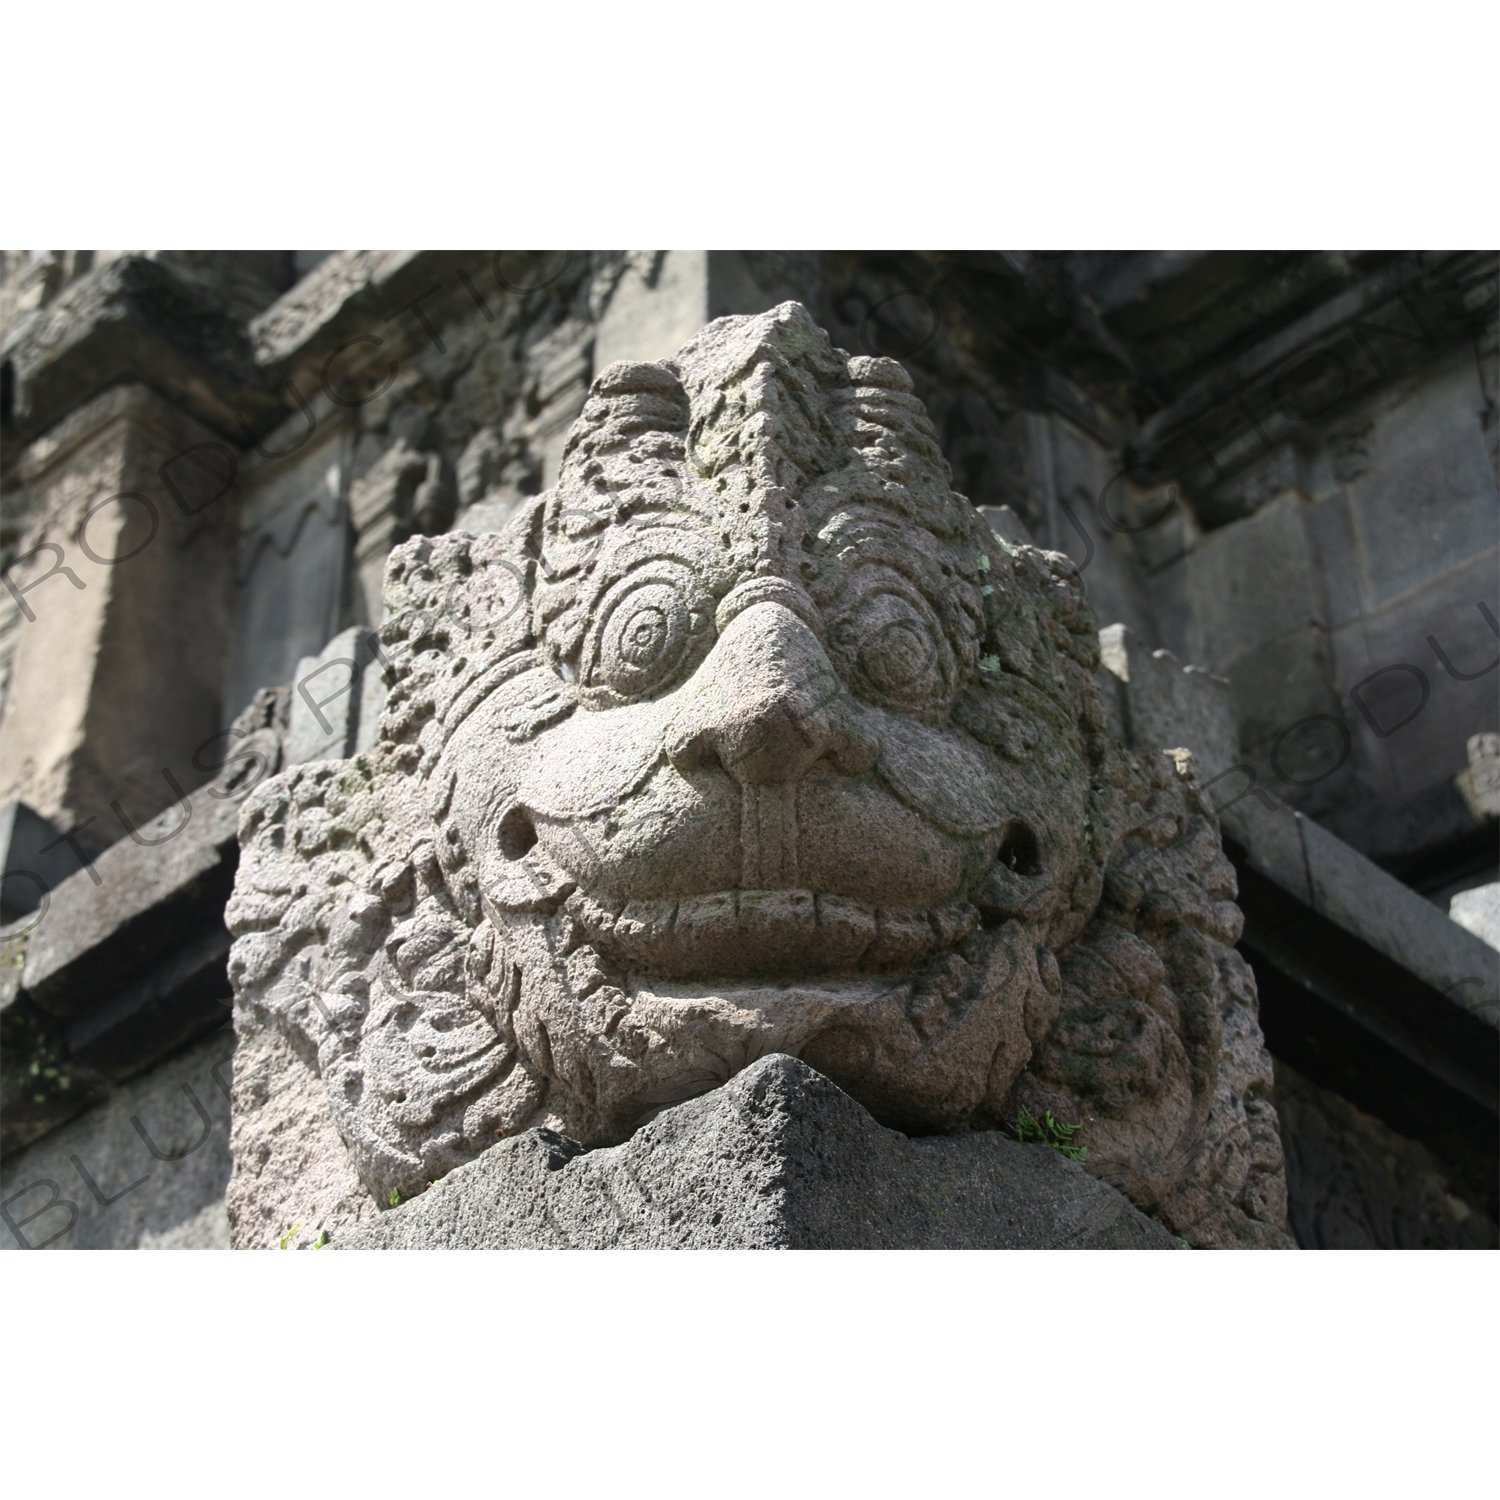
(750, 737)
(777, 1159)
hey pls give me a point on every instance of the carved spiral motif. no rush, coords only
(653, 627)
(892, 651)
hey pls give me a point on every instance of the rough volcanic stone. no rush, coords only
(779, 1158)
(127, 963)
(1392, 918)
(293, 539)
(1339, 883)
(335, 701)
(142, 896)
(1480, 780)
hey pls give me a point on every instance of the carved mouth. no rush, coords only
(743, 933)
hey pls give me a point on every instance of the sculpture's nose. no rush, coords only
(767, 704)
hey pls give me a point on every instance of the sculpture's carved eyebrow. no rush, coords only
(584, 549)
(885, 546)
(664, 515)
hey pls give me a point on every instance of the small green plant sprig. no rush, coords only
(285, 1242)
(1048, 1131)
(45, 1065)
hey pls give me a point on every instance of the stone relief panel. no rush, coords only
(748, 737)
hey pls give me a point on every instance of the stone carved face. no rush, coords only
(748, 738)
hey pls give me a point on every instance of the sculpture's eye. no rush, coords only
(649, 632)
(892, 651)
(643, 636)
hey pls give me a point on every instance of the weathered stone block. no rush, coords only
(336, 699)
(1284, 696)
(1363, 899)
(1069, 474)
(108, 686)
(1253, 581)
(1271, 836)
(155, 893)
(486, 515)
(1479, 781)
(1341, 884)
(1355, 1184)
(1410, 716)
(346, 296)
(1255, 616)
(127, 961)
(1330, 529)
(328, 701)
(1168, 706)
(1162, 701)
(136, 906)
(663, 297)
(779, 1158)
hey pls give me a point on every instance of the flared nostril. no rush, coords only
(690, 750)
(1018, 850)
(517, 834)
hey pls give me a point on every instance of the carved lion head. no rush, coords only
(749, 737)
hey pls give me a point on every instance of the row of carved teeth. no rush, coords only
(862, 933)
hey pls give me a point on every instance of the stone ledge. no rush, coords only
(1478, 910)
(1339, 883)
(356, 293)
(777, 1158)
(121, 973)
(137, 1201)
(137, 909)
(133, 320)
(316, 303)
(135, 403)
